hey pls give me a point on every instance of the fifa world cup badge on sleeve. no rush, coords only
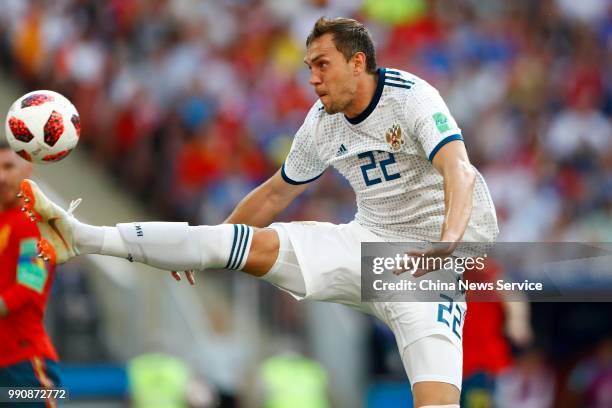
(441, 122)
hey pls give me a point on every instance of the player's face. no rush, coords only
(331, 75)
(13, 169)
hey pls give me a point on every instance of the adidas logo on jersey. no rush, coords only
(341, 150)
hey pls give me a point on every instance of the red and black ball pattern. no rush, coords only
(57, 156)
(76, 121)
(20, 130)
(53, 128)
(24, 155)
(35, 100)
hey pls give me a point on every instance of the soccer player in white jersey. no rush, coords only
(393, 138)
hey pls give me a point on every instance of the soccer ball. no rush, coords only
(43, 127)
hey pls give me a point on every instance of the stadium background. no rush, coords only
(186, 105)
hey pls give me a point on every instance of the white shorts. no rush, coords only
(322, 261)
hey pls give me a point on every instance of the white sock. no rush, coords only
(88, 238)
(112, 243)
(169, 245)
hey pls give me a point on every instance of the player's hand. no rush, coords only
(437, 253)
(190, 275)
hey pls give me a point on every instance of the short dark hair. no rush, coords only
(350, 37)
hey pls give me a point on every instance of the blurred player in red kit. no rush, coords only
(27, 356)
(492, 325)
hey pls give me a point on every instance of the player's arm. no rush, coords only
(517, 323)
(302, 165)
(452, 162)
(261, 206)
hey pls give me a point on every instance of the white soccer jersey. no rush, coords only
(385, 153)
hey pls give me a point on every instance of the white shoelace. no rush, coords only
(73, 206)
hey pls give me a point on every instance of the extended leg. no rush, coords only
(163, 245)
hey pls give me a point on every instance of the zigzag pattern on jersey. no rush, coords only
(394, 78)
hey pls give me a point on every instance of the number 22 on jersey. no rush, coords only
(370, 175)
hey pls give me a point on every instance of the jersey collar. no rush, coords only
(367, 111)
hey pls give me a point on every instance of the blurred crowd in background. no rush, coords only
(191, 104)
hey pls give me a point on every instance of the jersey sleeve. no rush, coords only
(433, 126)
(303, 163)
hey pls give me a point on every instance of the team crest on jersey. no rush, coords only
(394, 138)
